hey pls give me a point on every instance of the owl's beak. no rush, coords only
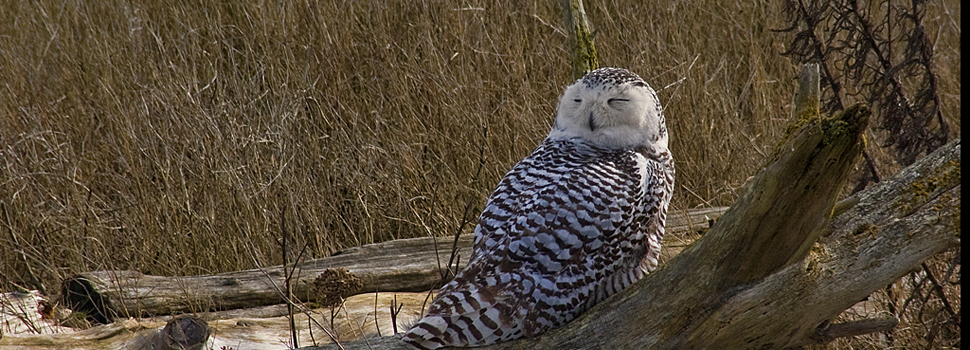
(592, 126)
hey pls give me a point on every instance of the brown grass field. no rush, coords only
(173, 138)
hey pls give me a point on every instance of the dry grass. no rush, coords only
(168, 137)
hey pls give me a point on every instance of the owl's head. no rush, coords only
(611, 108)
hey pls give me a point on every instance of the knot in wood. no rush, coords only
(333, 285)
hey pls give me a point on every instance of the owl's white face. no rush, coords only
(611, 108)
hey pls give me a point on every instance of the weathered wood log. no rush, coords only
(111, 336)
(363, 315)
(397, 266)
(761, 278)
(404, 265)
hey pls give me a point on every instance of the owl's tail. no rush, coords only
(463, 319)
(428, 333)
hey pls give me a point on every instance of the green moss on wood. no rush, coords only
(832, 129)
(927, 187)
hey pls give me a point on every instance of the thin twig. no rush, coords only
(938, 289)
(287, 275)
(376, 324)
(395, 313)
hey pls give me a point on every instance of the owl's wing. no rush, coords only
(562, 231)
(566, 202)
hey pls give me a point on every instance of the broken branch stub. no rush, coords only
(580, 38)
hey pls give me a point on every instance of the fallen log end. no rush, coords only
(81, 296)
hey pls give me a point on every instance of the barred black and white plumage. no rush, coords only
(576, 221)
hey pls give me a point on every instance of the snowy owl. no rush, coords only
(576, 221)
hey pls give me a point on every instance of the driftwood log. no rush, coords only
(24, 326)
(785, 259)
(408, 265)
(184, 332)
